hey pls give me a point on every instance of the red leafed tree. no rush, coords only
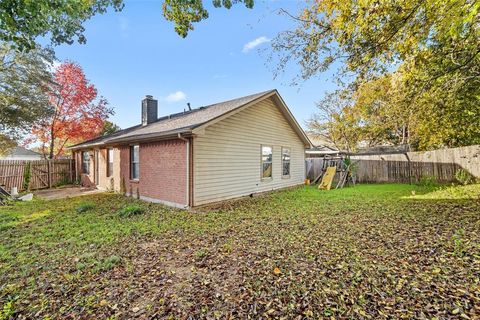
(78, 113)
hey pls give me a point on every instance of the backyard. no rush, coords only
(370, 252)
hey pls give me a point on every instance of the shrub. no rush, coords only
(84, 207)
(131, 210)
(464, 177)
(427, 181)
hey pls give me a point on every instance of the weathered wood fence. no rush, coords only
(411, 167)
(37, 174)
(404, 171)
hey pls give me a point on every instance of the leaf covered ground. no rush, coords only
(368, 252)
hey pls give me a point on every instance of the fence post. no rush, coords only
(49, 172)
(409, 168)
(29, 175)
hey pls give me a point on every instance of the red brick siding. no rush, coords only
(86, 180)
(163, 173)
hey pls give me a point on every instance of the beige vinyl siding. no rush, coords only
(227, 157)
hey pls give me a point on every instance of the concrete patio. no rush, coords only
(65, 192)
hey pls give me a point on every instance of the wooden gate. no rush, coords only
(37, 174)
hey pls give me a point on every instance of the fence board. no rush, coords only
(439, 165)
(13, 173)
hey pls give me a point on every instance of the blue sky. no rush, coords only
(136, 52)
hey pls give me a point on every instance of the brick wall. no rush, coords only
(86, 180)
(163, 173)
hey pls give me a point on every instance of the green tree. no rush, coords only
(371, 37)
(184, 13)
(414, 65)
(109, 128)
(23, 21)
(24, 78)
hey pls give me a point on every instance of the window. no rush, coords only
(266, 162)
(285, 162)
(134, 162)
(109, 162)
(85, 162)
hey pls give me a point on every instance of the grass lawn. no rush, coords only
(368, 252)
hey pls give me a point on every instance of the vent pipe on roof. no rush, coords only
(188, 105)
(149, 110)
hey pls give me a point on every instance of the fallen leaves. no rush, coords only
(294, 254)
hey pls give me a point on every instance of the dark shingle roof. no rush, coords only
(21, 151)
(175, 123)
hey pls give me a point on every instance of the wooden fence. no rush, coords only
(411, 167)
(37, 174)
(404, 171)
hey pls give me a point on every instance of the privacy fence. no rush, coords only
(411, 167)
(38, 174)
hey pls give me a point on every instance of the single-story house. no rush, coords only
(21, 153)
(212, 153)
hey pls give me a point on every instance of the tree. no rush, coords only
(109, 128)
(414, 65)
(386, 111)
(24, 78)
(335, 122)
(183, 13)
(78, 114)
(22, 22)
(371, 37)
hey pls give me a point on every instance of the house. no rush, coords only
(21, 153)
(320, 148)
(222, 151)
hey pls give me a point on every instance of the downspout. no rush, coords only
(188, 168)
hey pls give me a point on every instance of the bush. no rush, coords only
(84, 207)
(464, 177)
(427, 181)
(131, 210)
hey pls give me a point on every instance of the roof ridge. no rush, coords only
(176, 121)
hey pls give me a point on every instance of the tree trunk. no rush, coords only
(52, 143)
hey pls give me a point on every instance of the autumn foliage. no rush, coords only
(79, 114)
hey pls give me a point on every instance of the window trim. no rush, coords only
(262, 178)
(108, 174)
(289, 162)
(87, 172)
(131, 150)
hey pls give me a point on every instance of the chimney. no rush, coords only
(149, 110)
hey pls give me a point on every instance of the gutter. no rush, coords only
(188, 167)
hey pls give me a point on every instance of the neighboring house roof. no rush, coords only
(21, 153)
(322, 150)
(385, 149)
(193, 121)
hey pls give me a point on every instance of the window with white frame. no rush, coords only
(85, 162)
(134, 162)
(267, 157)
(285, 162)
(109, 162)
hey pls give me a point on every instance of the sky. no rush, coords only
(136, 52)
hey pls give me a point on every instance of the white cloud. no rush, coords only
(254, 43)
(176, 96)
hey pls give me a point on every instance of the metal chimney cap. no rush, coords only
(149, 96)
